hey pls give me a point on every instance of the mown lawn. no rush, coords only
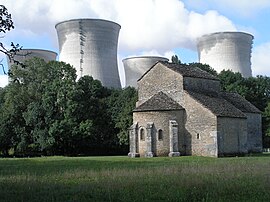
(140, 179)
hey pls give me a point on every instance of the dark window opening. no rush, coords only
(198, 136)
(160, 134)
(142, 135)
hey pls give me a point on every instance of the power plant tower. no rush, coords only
(26, 54)
(226, 50)
(135, 67)
(90, 45)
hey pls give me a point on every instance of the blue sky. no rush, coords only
(148, 27)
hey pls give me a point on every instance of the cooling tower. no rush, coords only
(226, 50)
(26, 54)
(90, 45)
(135, 67)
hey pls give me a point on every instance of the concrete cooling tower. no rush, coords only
(226, 50)
(90, 45)
(135, 67)
(26, 54)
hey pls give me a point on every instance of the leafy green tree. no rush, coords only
(175, 59)
(232, 82)
(5, 127)
(55, 82)
(6, 24)
(35, 102)
(121, 105)
(267, 119)
(94, 129)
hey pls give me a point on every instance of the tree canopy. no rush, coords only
(47, 112)
(6, 24)
(175, 59)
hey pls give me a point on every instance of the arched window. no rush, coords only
(142, 134)
(160, 135)
(198, 136)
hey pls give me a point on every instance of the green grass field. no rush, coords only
(140, 179)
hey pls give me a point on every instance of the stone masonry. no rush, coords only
(183, 112)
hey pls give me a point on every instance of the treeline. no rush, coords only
(45, 111)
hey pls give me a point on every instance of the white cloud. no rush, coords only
(146, 24)
(209, 22)
(260, 60)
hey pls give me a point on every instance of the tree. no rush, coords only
(35, 103)
(51, 86)
(175, 59)
(94, 133)
(267, 120)
(121, 104)
(232, 82)
(6, 24)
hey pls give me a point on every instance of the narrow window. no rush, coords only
(160, 135)
(142, 135)
(198, 136)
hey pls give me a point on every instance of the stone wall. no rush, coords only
(254, 132)
(199, 84)
(232, 136)
(160, 120)
(201, 129)
(160, 78)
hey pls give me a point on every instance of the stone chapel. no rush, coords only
(182, 111)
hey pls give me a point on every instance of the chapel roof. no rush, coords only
(217, 105)
(185, 70)
(159, 102)
(240, 103)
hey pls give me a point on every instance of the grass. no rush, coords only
(140, 179)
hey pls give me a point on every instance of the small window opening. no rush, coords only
(142, 135)
(198, 136)
(160, 134)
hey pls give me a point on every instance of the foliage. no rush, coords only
(47, 112)
(121, 104)
(6, 24)
(175, 59)
(266, 116)
(141, 179)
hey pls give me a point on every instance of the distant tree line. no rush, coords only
(45, 111)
